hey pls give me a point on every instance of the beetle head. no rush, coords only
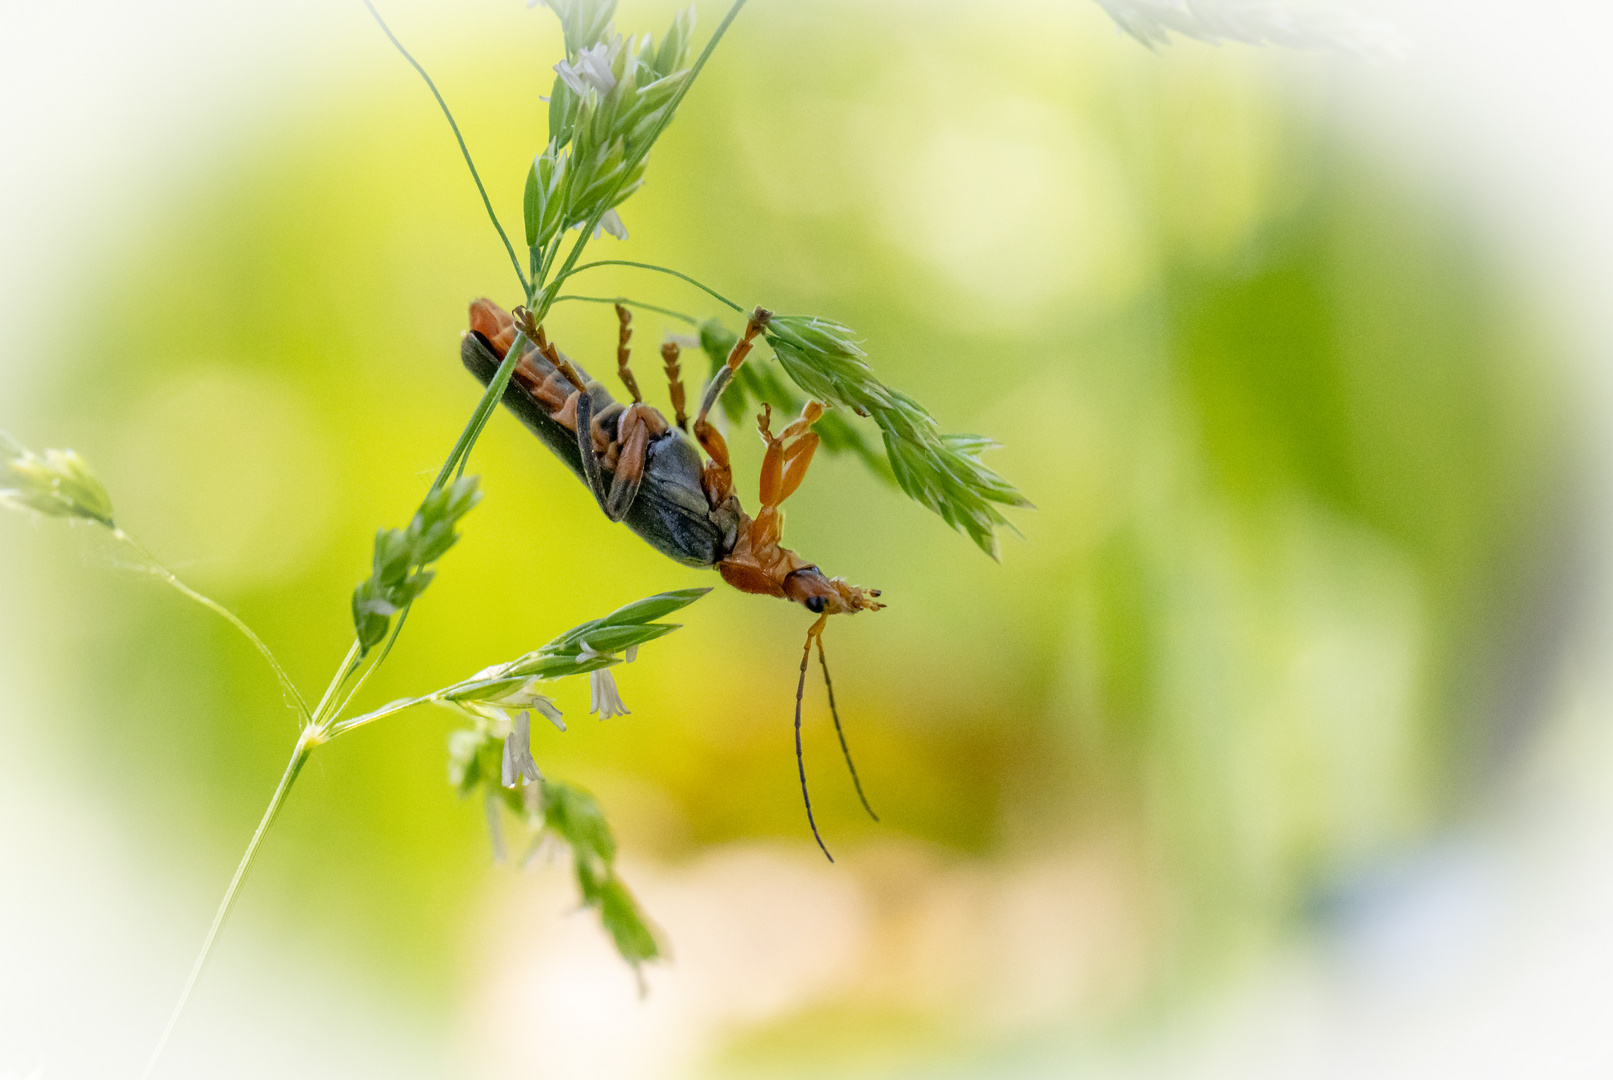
(828, 596)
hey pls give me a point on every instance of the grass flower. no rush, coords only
(59, 483)
(518, 764)
(603, 696)
(583, 22)
(609, 223)
(755, 383)
(506, 712)
(939, 470)
(610, 101)
(592, 68)
(56, 483)
(494, 757)
(525, 696)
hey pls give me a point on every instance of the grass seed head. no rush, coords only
(56, 483)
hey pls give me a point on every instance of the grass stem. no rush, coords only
(464, 150)
(299, 757)
(628, 301)
(484, 410)
(649, 266)
(338, 680)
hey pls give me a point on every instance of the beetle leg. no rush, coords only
(639, 424)
(719, 382)
(811, 414)
(624, 334)
(717, 478)
(788, 455)
(796, 460)
(634, 430)
(674, 380)
(554, 356)
(592, 470)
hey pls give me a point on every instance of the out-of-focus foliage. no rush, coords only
(1298, 456)
(1314, 25)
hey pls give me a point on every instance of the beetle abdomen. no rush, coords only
(670, 511)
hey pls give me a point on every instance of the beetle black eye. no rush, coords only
(814, 604)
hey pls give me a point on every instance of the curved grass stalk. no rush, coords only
(342, 727)
(627, 301)
(463, 149)
(646, 266)
(159, 570)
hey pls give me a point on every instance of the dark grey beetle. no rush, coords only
(665, 504)
(645, 472)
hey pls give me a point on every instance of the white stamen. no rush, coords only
(612, 223)
(603, 697)
(518, 763)
(571, 78)
(592, 71)
(548, 709)
(595, 63)
(526, 696)
(609, 222)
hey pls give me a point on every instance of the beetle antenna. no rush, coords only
(800, 762)
(844, 749)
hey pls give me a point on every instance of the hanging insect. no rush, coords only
(646, 473)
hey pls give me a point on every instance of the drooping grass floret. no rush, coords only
(56, 483)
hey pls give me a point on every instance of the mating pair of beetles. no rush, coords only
(646, 473)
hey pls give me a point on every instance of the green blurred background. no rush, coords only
(1301, 459)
